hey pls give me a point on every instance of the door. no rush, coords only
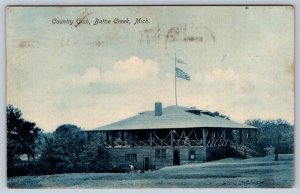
(146, 163)
(176, 157)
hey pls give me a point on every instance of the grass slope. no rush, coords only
(226, 173)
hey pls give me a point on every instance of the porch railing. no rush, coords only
(161, 143)
(154, 143)
(218, 142)
(188, 143)
(167, 143)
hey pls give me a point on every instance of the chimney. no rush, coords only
(158, 109)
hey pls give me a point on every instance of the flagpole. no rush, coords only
(175, 82)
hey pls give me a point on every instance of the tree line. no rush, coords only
(278, 134)
(31, 151)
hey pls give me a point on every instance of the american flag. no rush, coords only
(181, 74)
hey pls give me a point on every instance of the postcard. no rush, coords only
(150, 96)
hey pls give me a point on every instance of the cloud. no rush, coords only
(59, 83)
(131, 69)
(223, 74)
(90, 76)
(243, 95)
(217, 74)
(228, 78)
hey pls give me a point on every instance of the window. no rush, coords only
(192, 155)
(160, 153)
(130, 158)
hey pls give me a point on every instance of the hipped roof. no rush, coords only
(173, 117)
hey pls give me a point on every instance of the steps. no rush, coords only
(244, 151)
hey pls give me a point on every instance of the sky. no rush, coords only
(240, 60)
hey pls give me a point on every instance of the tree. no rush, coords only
(21, 139)
(53, 158)
(277, 133)
(71, 140)
(220, 115)
(63, 151)
(69, 151)
(14, 123)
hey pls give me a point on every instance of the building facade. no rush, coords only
(174, 135)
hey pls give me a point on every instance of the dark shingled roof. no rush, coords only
(173, 117)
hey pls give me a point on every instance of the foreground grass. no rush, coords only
(227, 173)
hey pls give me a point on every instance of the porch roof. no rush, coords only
(173, 117)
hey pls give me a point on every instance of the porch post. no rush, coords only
(256, 134)
(131, 138)
(222, 138)
(111, 138)
(107, 137)
(151, 138)
(122, 135)
(172, 138)
(223, 134)
(248, 136)
(241, 137)
(204, 131)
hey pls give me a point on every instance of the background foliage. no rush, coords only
(66, 150)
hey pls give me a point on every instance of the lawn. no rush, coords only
(261, 172)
